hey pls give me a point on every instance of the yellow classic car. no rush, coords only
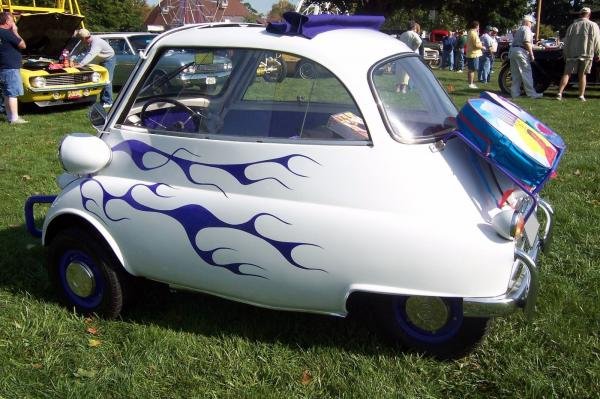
(46, 81)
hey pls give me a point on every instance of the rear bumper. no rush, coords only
(523, 289)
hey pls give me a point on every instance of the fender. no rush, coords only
(53, 219)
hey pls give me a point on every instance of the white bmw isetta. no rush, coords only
(293, 193)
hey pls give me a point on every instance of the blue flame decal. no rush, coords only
(195, 218)
(138, 149)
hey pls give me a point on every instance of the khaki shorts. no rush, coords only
(574, 66)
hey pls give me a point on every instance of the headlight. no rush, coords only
(191, 69)
(228, 66)
(38, 81)
(96, 77)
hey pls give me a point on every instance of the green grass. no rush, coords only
(184, 345)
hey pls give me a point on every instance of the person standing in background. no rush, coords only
(459, 50)
(474, 48)
(521, 56)
(582, 44)
(413, 40)
(448, 45)
(10, 64)
(99, 52)
(486, 59)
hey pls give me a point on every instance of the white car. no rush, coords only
(294, 194)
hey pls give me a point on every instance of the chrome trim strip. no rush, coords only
(65, 88)
(546, 238)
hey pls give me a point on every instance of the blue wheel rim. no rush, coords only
(89, 302)
(449, 330)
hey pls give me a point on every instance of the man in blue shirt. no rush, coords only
(10, 64)
(448, 44)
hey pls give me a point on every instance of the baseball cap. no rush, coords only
(585, 10)
(495, 29)
(528, 18)
(83, 33)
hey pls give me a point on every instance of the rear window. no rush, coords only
(412, 102)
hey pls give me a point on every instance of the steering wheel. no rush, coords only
(160, 118)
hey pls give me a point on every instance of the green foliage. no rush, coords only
(117, 16)
(278, 9)
(546, 32)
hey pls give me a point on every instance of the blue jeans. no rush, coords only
(448, 59)
(106, 97)
(485, 66)
(460, 59)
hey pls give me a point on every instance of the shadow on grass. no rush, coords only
(22, 271)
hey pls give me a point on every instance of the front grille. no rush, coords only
(68, 79)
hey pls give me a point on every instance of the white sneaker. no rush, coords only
(559, 96)
(582, 98)
(537, 96)
(18, 121)
(473, 86)
(106, 105)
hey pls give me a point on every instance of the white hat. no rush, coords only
(494, 29)
(528, 18)
(83, 33)
(585, 10)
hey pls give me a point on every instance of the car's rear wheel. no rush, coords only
(430, 325)
(505, 81)
(86, 273)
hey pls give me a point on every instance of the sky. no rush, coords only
(262, 6)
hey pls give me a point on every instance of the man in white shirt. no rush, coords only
(413, 40)
(99, 52)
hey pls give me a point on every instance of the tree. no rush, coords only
(253, 16)
(278, 9)
(120, 16)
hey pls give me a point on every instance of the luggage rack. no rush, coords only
(532, 192)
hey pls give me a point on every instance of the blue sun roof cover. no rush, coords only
(309, 26)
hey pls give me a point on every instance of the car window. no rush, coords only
(140, 42)
(244, 94)
(120, 46)
(413, 104)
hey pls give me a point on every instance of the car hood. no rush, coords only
(47, 34)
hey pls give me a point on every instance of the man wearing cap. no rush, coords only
(99, 52)
(10, 64)
(582, 43)
(521, 56)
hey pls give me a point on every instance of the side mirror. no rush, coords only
(81, 154)
(97, 116)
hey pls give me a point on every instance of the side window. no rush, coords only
(120, 46)
(296, 98)
(244, 94)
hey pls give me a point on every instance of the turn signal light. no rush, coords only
(509, 223)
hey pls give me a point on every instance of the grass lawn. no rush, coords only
(186, 345)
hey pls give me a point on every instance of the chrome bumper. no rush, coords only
(51, 89)
(522, 293)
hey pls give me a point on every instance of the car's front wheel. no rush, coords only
(430, 325)
(86, 273)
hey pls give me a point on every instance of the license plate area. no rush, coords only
(74, 94)
(532, 228)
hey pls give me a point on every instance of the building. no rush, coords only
(173, 13)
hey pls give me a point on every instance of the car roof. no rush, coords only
(123, 34)
(351, 47)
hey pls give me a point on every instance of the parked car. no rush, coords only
(547, 69)
(47, 80)
(294, 194)
(127, 46)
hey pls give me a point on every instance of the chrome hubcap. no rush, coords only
(80, 279)
(427, 313)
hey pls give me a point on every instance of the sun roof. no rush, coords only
(309, 26)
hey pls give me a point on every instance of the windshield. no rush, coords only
(411, 100)
(140, 42)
